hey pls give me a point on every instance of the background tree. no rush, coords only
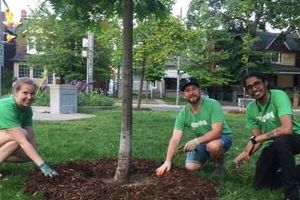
(284, 15)
(58, 42)
(206, 54)
(156, 40)
(231, 28)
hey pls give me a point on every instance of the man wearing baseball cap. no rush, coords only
(205, 119)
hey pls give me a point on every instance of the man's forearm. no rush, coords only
(209, 136)
(272, 134)
(172, 148)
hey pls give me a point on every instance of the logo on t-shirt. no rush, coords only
(198, 124)
(266, 117)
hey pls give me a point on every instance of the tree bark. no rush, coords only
(122, 171)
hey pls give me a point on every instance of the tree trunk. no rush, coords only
(122, 171)
(211, 49)
(141, 85)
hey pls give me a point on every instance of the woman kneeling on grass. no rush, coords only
(17, 142)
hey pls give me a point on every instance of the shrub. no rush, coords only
(42, 99)
(92, 99)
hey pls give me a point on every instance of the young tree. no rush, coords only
(96, 11)
(122, 171)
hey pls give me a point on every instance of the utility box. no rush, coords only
(63, 99)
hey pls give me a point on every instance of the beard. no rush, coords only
(194, 101)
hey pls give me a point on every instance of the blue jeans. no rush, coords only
(201, 155)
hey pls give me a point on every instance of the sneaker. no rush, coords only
(219, 170)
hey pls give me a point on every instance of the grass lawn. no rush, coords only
(99, 137)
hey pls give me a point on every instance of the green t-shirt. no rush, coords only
(267, 117)
(12, 116)
(201, 122)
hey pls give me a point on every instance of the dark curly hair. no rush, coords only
(258, 75)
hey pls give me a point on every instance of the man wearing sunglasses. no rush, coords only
(271, 120)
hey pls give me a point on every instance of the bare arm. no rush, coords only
(31, 136)
(173, 144)
(249, 149)
(20, 138)
(286, 128)
(214, 134)
(172, 148)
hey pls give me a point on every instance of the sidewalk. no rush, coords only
(43, 114)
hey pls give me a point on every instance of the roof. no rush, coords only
(265, 39)
(269, 41)
(19, 57)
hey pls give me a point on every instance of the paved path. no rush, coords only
(43, 113)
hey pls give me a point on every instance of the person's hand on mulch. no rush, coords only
(47, 170)
(166, 167)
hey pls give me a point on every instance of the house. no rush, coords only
(166, 87)
(21, 68)
(285, 57)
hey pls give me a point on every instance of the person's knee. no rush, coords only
(13, 144)
(192, 166)
(214, 147)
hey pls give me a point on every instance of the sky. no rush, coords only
(17, 5)
(181, 5)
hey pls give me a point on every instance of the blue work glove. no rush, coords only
(47, 171)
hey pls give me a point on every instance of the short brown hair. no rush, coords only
(22, 81)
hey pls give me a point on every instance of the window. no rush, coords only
(171, 83)
(24, 71)
(276, 57)
(38, 72)
(50, 78)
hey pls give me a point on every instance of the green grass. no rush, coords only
(172, 101)
(99, 137)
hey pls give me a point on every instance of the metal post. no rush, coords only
(178, 69)
(178, 80)
(90, 62)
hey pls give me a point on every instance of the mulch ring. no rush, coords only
(92, 180)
